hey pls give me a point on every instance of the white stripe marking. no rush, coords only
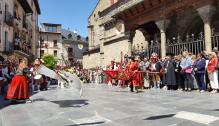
(196, 117)
(93, 119)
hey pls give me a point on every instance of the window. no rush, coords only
(55, 53)
(41, 53)
(32, 16)
(0, 34)
(6, 10)
(0, 7)
(51, 29)
(55, 43)
(78, 37)
(24, 21)
(32, 3)
(70, 50)
(70, 36)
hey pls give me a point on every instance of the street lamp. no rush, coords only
(40, 45)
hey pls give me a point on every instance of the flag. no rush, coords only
(74, 81)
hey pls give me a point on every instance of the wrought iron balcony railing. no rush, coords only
(23, 47)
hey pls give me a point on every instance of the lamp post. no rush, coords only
(40, 45)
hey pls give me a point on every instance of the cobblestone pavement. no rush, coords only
(102, 105)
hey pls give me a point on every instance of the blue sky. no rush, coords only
(71, 14)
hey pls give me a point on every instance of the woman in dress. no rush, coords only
(18, 89)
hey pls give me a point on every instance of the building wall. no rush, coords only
(91, 61)
(94, 22)
(49, 41)
(112, 52)
(5, 28)
(100, 33)
(78, 53)
(25, 34)
(33, 22)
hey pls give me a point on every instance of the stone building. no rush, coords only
(19, 27)
(64, 44)
(140, 27)
(74, 46)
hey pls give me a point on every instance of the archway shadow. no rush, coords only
(71, 103)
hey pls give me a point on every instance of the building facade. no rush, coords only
(74, 46)
(64, 44)
(139, 27)
(51, 41)
(19, 27)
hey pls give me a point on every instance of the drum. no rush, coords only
(37, 77)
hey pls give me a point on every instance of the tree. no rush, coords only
(50, 61)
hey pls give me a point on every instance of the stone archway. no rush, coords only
(139, 41)
(215, 20)
(185, 23)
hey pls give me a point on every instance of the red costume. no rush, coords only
(135, 77)
(212, 65)
(18, 89)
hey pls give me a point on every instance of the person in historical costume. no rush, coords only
(155, 68)
(169, 76)
(121, 71)
(135, 82)
(37, 77)
(18, 88)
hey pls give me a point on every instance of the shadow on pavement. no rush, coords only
(71, 103)
(215, 110)
(39, 99)
(84, 124)
(4, 103)
(122, 91)
(160, 117)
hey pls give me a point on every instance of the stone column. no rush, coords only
(206, 13)
(102, 35)
(129, 35)
(162, 25)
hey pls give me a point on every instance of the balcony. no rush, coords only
(23, 49)
(9, 19)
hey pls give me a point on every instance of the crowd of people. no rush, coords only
(17, 81)
(184, 72)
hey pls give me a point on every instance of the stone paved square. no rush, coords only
(103, 105)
